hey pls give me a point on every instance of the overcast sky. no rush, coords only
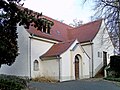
(66, 10)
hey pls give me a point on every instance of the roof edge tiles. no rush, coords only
(58, 49)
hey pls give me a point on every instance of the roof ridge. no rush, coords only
(58, 21)
(68, 33)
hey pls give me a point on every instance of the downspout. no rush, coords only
(92, 59)
(59, 68)
(30, 56)
(71, 65)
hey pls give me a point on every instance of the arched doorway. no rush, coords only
(77, 67)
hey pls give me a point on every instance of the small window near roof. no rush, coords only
(100, 54)
(58, 32)
(36, 65)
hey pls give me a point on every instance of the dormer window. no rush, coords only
(46, 28)
(44, 25)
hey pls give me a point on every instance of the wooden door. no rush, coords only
(104, 59)
(76, 69)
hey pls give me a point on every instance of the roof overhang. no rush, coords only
(86, 43)
(42, 39)
(50, 58)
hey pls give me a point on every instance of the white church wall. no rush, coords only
(21, 65)
(83, 63)
(68, 63)
(88, 49)
(102, 43)
(51, 68)
(38, 48)
(65, 66)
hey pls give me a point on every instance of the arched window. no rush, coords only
(36, 65)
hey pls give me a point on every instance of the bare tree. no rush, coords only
(76, 23)
(110, 11)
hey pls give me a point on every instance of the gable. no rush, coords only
(86, 32)
(103, 36)
(58, 49)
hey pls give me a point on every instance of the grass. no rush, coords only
(115, 80)
(112, 79)
(45, 79)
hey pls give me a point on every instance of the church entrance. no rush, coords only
(77, 67)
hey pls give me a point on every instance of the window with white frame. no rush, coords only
(36, 65)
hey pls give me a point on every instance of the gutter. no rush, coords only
(49, 58)
(43, 39)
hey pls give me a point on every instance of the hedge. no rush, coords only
(8, 82)
(115, 64)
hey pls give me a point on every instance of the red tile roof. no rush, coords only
(65, 33)
(58, 49)
(58, 32)
(85, 32)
